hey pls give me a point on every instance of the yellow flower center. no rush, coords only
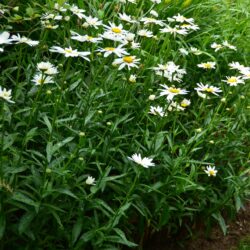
(128, 59)
(207, 65)
(184, 105)
(40, 81)
(211, 172)
(109, 49)
(116, 30)
(68, 50)
(174, 90)
(185, 25)
(232, 80)
(90, 37)
(209, 90)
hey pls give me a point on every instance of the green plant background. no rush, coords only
(45, 160)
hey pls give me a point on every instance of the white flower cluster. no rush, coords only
(45, 72)
(171, 71)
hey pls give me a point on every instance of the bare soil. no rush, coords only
(238, 231)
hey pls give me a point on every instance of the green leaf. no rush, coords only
(103, 206)
(31, 133)
(159, 141)
(48, 124)
(25, 222)
(2, 225)
(14, 170)
(238, 203)
(30, 11)
(121, 238)
(51, 149)
(121, 211)
(77, 229)
(8, 140)
(66, 191)
(58, 220)
(221, 222)
(25, 199)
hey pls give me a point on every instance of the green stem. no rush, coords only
(2, 136)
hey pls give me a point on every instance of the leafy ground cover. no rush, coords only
(120, 119)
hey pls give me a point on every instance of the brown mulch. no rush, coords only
(237, 230)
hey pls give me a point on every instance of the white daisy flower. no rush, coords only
(132, 78)
(135, 45)
(228, 45)
(5, 38)
(111, 36)
(171, 92)
(156, 111)
(236, 65)
(185, 103)
(47, 25)
(126, 18)
(216, 46)
(234, 80)
(85, 38)
(51, 71)
(115, 30)
(156, 1)
(145, 162)
(245, 73)
(18, 39)
(40, 79)
(207, 89)
(207, 65)
(151, 97)
(190, 26)
(76, 11)
(119, 51)
(6, 94)
(170, 71)
(47, 67)
(211, 171)
(183, 51)
(44, 66)
(92, 22)
(90, 180)
(174, 106)
(150, 20)
(69, 52)
(174, 30)
(145, 33)
(125, 1)
(129, 61)
(58, 7)
(154, 13)
(195, 51)
(129, 37)
(181, 19)
(50, 16)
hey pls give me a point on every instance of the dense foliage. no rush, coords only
(121, 118)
